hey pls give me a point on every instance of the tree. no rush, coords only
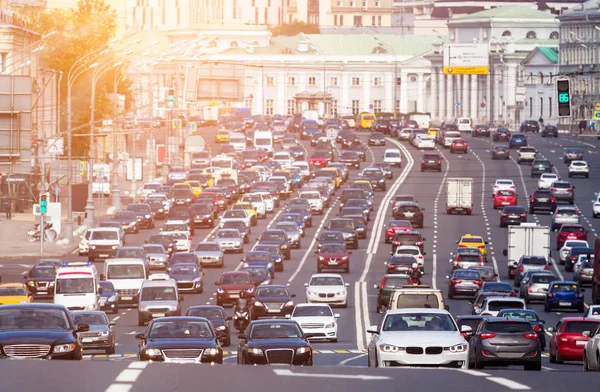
(294, 28)
(88, 27)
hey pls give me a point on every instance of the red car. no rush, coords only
(571, 231)
(459, 145)
(218, 198)
(505, 197)
(567, 341)
(396, 226)
(320, 158)
(333, 256)
(230, 285)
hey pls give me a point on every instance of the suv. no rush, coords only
(413, 238)
(537, 286)
(517, 139)
(530, 263)
(541, 199)
(501, 134)
(431, 161)
(401, 199)
(384, 290)
(411, 212)
(103, 242)
(530, 126)
(500, 152)
(144, 214)
(549, 130)
(573, 154)
(563, 215)
(539, 166)
(526, 154)
(563, 191)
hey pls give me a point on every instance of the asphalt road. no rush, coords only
(367, 268)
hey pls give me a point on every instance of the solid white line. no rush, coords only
(360, 335)
(495, 262)
(510, 384)
(119, 388)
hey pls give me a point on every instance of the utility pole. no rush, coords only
(116, 190)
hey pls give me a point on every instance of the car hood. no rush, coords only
(422, 338)
(181, 343)
(159, 304)
(32, 336)
(314, 320)
(99, 328)
(277, 343)
(326, 289)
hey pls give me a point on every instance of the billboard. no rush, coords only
(466, 59)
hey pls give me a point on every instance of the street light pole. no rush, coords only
(116, 190)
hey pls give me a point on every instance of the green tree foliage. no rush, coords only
(79, 31)
(294, 28)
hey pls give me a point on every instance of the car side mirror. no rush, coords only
(582, 290)
(505, 252)
(456, 242)
(305, 284)
(447, 307)
(376, 286)
(447, 276)
(24, 276)
(336, 315)
(82, 327)
(471, 302)
(486, 242)
(145, 241)
(423, 208)
(347, 284)
(467, 329)
(140, 336)
(349, 252)
(373, 329)
(587, 334)
(551, 329)
(573, 187)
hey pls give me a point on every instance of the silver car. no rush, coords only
(537, 286)
(209, 253)
(101, 335)
(583, 269)
(292, 232)
(156, 256)
(563, 253)
(529, 263)
(564, 214)
(563, 191)
(230, 240)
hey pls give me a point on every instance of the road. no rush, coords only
(367, 268)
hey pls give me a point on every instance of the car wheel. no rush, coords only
(333, 340)
(586, 367)
(115, 310)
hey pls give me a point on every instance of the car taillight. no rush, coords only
(396, 243)
(513, 294)
(419, 243)
(547, 267)
(481, 246)
(504, 214)
(579, 295)
(551, 295)
(537, 328)
(573, 258)
(553, 200)
(530, 290)
(478, 282)
(462, 246)
(456, 263)
(439, 162)
(521, 268)
(456, 281)
(570, 190)
(553, 189)
(523, 216)
(582, 273)
(486, 335)
(423, 161)
(530, 335)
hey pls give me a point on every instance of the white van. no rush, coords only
(127, 275)
(76, 286)
(237, 140)
(464, 124)
(158, 298)
(103, 242)
(263, 140)
(393, 156)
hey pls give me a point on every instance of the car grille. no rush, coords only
(127, 292)
(88, 334)
(182, 353)
(103, 248)
(280, 356)
(72, 308)
(27, 350)
(207, 257)
(185, 285)
(273, 305)
(158, 310)
(327, 295)
(414, 350)
(41, 284)
(312, 326)
(434, 350)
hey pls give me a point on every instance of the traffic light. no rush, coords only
(43, 203)
(563, 90)
(171, 98)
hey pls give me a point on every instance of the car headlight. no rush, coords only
(256, 351)
(112, 298)
(90, 307)
(221, 328)
(311, 293)
(388, 348)
(289, 303)
(153, 352)
(196, 279)
(284, 246)
(93, 247)
(302, 350)
(246, 265)
(104, 333)
(147, 216)
(143, 308)
(31, 283)
(173, 308)
(115, 247)
(341, 293)
(345, 258)
(270, 265)
(458, 348)
(330, 325)
(207, 216)
(220, 290)
(64, 348)
(160, 210)
(237, 243)
(211, 351)
(259, 304)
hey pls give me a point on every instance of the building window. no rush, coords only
(377, 106)
(357, 20)
(541, 106)
(506, 33)
(355, 81)
(291, 81)
(530, 107)
(248, 102)
(291, 108)
(333, 81)
(377, 81)
(269, 108)
(312, 81)
(379, 20)
(549, 106)
(270, 81)
(541, 78)
(339, 3)
(554, 35)
(256, 15)
(531, 35)
(373, 20)
(365, 3)
(397, 108)
(335, 20)
(355, 106)
(341, 20)
(334, 108)
(351, 3)
(398, 81)
(377, 3)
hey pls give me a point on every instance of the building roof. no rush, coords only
(510, 12)
(550, 53)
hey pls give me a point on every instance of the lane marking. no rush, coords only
(289, 373)
(474, 373)
(510, 384)
(345, 361)
(126, 379)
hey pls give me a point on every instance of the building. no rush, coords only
(540, 69)
(341, 14)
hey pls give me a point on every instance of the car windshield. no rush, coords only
(333, 248)
(543, 278)
(125, 271)
(228, 234)
(498, 305)
(418, 322)
(572, 229)
(207, 248)
(275, 330)
(46, 272)
(107, 287)
(287, 228)
(533, 260)
(258, 273)
(526, 315)
(507, 327)
(341, 224)
(90, 318)
(580, 327)
(12, 292)
(392, 154)
(234, 214)
(270, 236)
(505, 193)
(159, 294)
(312, 311)
(497, 287)
(138, 208)
(466, 274)
(309, 195)
(125, 215)
(407, 251)
(326, 281)
(209, 313)
(349, 155)
(101, 235)
(417, 301)
(183, 329)
(130, 254)
(154, 249)
(272, 292)
(258, 256)
(74, 286)
(331, 237)
(484, 272)
(235, 279)
(391, 282)
(32, 318)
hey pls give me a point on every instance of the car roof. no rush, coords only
(418, 310)
(503, 298)
(326, 276)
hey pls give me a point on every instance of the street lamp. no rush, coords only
(389, 47)
(28, 47)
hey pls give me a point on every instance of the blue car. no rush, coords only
(298, 219)
(109, 300)
(564, 295)
(517, 140)
(259, 259)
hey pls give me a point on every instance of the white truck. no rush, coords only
(101, 179)
(263, 140)
(223, 167)
(528, 239)
(459, 195)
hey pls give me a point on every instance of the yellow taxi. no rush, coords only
(473, 241)
(249, 209)
(338, 175)
(363, 184)
(432, 132)
(222, 136)
(14, 293)
(196, 187)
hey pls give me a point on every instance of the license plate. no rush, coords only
(542, 200)
(273, 310)
(103, 255)
(513, 216)
(333, 263)
(580, 342)
(87, 340)
(409, 214)
(234, 295)
(505, 202)
(126, 298)
(564, 304)
(158, 315)
(42, 292)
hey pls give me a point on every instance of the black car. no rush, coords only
(375, 177)
(41, 331)
(272, 300)
(143, 214)
(184, 214)
(532, 317)
(540, 166)
(431, 161)
(157, 208)
(188, 276)
(501, 134)
(40, 281)
(302, 210)
(203, 214)
(500, 152)
(383, 126)
(351, 159)
(513, 215)
(360, 148)
(401, 264)
(346, 139)
(298, 153)
(128, 220)
(541, 199)
(481, 131)
(279, 238)
(360, 224)
(182, 197)
(529, 126)
(180, 338)
(347, 228)
(411, 212)
(387, 169)
(376, 139)
(56, 263)
(217, 317)
(274, 342)
(109, 298)
(549, 130)
(167, 241)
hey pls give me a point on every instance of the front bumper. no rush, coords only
(97, 342)
(297, 359)
(327, 298)
(148, 315)
(106, 305)
(203, 221)
(403, 359)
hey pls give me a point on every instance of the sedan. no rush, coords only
(333, 256)
(259, 259)
(426, 143)
(188, 277)
(217, 317)
(503, 184)
(396, 226)
(459, 145)
(327, 288)
(229, 240)
(565, 250)
(100, 335)
(272, 300)
(293, 233)
(465, 282)
(564, 295)
(500, 152)
(549, 130)
(376, 139)
(532, 317)
(431, 161)
(504, 198)
(568, 341)
(591, 351)
(564, 215)
(563, 191)
(513, 215)
(318, 322)
(572, 154)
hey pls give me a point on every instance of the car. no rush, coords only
(541, 199)
(347, 228)
(564, 295)
(414, 251)
(143, 214)
(504, 198)
(128, 220)
(513, 215)
(230, 284)
(563, 191)
(209, 254)
(567, 341)
(570, 232)
(202, 214)
(498, 341)
(318, 322)
(109, 298)
(399, 199)
(526, 154)
(134, 252)
(182, 240)
(404, 335)
(217, 317)
(534, 285)
(333, 256)
(481, 130)
(230, 215)
(572, 154)
(388, 283)
(459, 145)
(465, 258)
(596, 207)
(187, 276)
(427, 143)
(532, 317)
(260, 275)
(376, 139)
(579, 168)
(575, 255)
(431, 161)
(33, 339)
(361, 204)
(564, 215)
(393, 156)
(229, 240)
(527, 263)
(549, 130)
(591, 351)
(40, 281)
(464, 282)
(277, 237)
(500, 152)
(180, 339)
(503, 184)
(240, 226)
(593, 312)
(274, 342)
(360, 148)
(394, 226)
(293, 233)
(547, 179)
(474, 241)
(271, 301)
(565, 250)
(376, 177)
(517, 139)
(411, 212)
(275, 254)
(100, 335)
(501, 134)
(156, 256)
(583, 270)
(327, 288)
(330, 237)
(487, 273)
(400, 264)
(494, 303)
(385, 167)
(529, 126)
(540, 166)
(351, 159)
(408, 238)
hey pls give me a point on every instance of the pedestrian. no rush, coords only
(541, 121)
(57, 193)
(8, 207)
(592, 126)
(582, 126)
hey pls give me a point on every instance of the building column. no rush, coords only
(366, 87)
(441, 97)
(403, 92)
(511, 83)
(344, 103)
(281, 98)
(389, 92)
(464, 103)
(420, 93)
(450, 97)
(259, 97)
(474, 99)
(434, 93)
(488, 97)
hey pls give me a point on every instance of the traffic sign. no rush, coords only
(596, 114)
(482, 105)
(82, 168)
(371, 106)
(598, 106)
(192, 126)
(176, 124)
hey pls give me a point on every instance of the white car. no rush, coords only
(393, 157)
(563, 253)
(596, 207)
(579, 168)
(327, 288)
(235, 215)
(284, 158)
(411, 250)
(183, 243)
(593, 312)
(503, 184)
(257, 202)
(591, 351)
(405, 335)
(314, 200)
(493, 305)
(546, 180)
(425, 142)
(150, 187)
(268, 199)
(318, 322)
